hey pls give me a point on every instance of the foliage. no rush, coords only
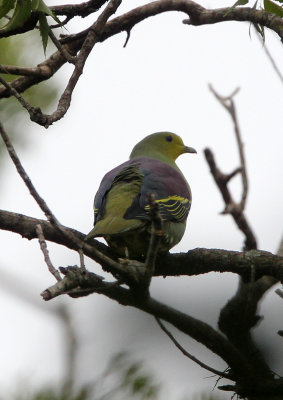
(14, 51)
(273, 7)
(126, 379)
(22, 10)
(123, 379)
(268, 5)
(52, 394)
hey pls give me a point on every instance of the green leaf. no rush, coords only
(273, 8)
(6, 6)
(254, 7)
(21, 15)
(238, 3)
(40, 6)
(260, 30)
(139, 384)
(44, 30)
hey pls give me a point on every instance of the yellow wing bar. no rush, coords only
(173, 207)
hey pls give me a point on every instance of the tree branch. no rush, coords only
(254, 263)
(190, 356)
(50, 66)
(45, 252)
(25, 71)
(238, 316)
(79, 10)
(34, 193)
(198, 16)
(229, 105)
(231, 208)
(91, 39)
(76, 279)
(81, 282)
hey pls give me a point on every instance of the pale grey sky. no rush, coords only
(158, 82)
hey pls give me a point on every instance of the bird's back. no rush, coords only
(121, 204)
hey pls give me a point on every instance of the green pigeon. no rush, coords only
(121, 204)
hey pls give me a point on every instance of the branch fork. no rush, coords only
(235, 209)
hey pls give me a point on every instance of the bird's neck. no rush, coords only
(155, 155)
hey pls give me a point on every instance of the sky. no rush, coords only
(158, 82)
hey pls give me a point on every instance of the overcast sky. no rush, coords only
(158, 82)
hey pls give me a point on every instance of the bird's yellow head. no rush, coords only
(164, 146)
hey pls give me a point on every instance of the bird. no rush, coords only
(122, 202)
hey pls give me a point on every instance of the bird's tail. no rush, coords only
(90, 235)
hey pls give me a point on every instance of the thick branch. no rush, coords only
(194, 262)
(81, 10)
(254, 263)
(239, 316)
(91, 39)
(77, 280)
(24, 71)
(244, 14)
(49, 67)
(200, 331)
(124, 23)
(198, 16)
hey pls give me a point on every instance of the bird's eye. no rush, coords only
(169, 138)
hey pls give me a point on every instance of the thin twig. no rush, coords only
(228, 177)
(221, 179)
(270, 57)
(62, 23)
(91, 39)
(45, 252)
(190, 356)
(82, 262)
(127, 38)
(39, 200)
(71, 59)
(273, 63)
(75, 281)
(230, 206)
(93, 36)
(229, 105)
(25, 177)
(31, 110)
